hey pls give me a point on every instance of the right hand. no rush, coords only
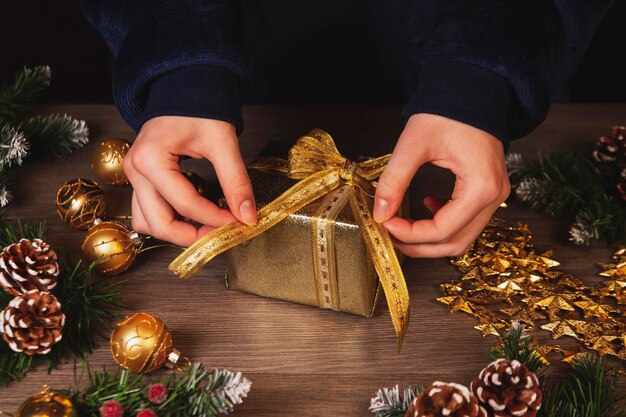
(162, 196)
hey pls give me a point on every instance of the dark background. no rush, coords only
(36, 32)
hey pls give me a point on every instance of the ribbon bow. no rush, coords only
(315, 160)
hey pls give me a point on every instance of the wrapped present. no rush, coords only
(316, 242)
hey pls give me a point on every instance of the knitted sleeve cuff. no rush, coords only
(463, 92)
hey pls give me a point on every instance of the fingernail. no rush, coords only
(248, 212)
(381, 207)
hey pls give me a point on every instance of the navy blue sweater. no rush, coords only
(487, 63)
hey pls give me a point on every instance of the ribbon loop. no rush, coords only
(315, 160)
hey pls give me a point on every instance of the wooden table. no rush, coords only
(305, 361)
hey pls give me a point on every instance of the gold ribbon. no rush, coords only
(315, 160)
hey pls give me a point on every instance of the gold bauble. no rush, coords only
(47, 404)
(107, 160)
(80, 202)
(142, 343)
(197, 182)
(113, 245)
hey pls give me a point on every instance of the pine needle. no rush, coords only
(25, 89)
(54, 135)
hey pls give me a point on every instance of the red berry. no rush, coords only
(111, 408)
(157, 393)
(146, 412)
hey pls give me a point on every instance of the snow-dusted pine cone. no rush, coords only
(612, 148)
(28, 265)
(32, 323)
(507, 388)
(443, 399)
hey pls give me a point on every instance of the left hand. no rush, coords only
(482, 184)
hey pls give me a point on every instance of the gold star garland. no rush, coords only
(505, 280)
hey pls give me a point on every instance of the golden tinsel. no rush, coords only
(503, 266)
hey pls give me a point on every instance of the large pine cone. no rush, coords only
(443, 399)
(32, 323)
(507, 388)
(28, 265)
(612, 148)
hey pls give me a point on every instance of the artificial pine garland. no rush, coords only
(22, 134)
(584, 186)
(194, 392)
(86, 304)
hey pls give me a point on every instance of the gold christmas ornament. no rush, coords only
(107, 160)
(113, 245)
(142, 343)
(47, 404)
(196, 180)
(80, 202)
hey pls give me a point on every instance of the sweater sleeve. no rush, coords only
(171, 57)
(491, 64)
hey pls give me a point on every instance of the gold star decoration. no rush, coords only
(523, 314)
(457, 303)
(503, 266)
(592, 309)
(563, 327)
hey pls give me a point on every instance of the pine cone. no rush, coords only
(621, 184)
(507, 388)
(612, 148)
(28, 265)
(445, 399)
(32, 323)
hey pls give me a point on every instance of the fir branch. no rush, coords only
(196, 393)
(517, 344)
(389, 403)
(87, 306)
(55, 135)
(13, 147)
(590, 390)
(26, 87)
(572, 184)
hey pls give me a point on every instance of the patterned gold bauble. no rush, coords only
(142, 343)
(113, 245)
(197, 182)
(47, 404)
(80, 202)
(107, 160)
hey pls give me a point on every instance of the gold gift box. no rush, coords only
(280, 263)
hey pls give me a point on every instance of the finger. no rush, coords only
(163, 172)
(455, 247)
(433, 204)
(233, 177)
(406, 159)
(137, 219)
(161, 217)
(470, 198)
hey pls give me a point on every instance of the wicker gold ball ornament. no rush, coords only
(112, 245)
(47, 403)
(142, 343)
(80, 202)
(107, 161)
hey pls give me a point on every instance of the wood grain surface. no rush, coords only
(305, 361)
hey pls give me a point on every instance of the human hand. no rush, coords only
(162, 195)
(482, 184)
